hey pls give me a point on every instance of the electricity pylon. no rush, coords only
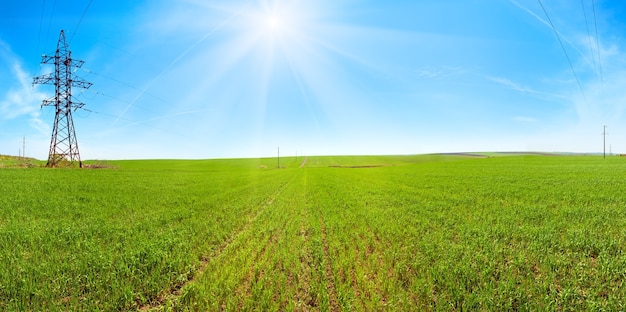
(63, 145)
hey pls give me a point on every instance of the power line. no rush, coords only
(102, 113)
(43, 6)
(593, 57)
(126, 84)
(129, 103)
(81, 19)
(143, 91)
(134, 122)
(180, 56)
(54, 4)
(556, 33)
(595, 21)
(142, 122)
(124, 101)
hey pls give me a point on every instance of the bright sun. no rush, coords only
(274, 23)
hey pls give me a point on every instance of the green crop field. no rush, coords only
(451, 232)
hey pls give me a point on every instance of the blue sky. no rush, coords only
(213, 79)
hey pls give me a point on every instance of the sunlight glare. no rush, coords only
(274, 23)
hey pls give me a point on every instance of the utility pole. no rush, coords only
(604, 142)
(63, 144)
(278, 157)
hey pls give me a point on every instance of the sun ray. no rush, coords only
(305, 95)
(272, 50)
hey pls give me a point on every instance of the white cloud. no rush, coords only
(512, 85)
(22, 99)
(440, 73)
(520, 88)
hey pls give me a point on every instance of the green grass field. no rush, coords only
(342, 233)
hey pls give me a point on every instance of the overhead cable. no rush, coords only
(556, 33)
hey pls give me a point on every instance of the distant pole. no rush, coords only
(278, 158)
(604, 143)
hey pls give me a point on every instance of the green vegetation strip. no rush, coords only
(438, 232)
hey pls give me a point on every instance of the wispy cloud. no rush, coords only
(440, 73)
(547, 24)
(527, 10)
(518, 87)
(606, 101)
(21, 99)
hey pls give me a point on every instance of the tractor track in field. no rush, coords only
(176, 290)
(303, 294)
(244, 291)
(333, 303)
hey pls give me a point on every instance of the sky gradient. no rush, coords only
(221, 79)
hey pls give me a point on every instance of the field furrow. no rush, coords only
(329, 275)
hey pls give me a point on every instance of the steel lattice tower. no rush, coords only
(63, 145)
